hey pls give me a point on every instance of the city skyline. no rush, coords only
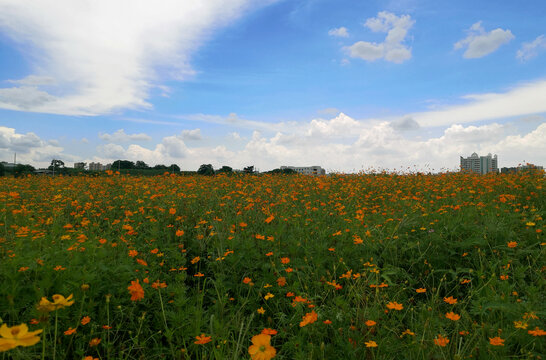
(387, 84)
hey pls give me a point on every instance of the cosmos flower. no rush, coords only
(261, 348)
(18, 335)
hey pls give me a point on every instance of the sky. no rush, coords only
(399, 85)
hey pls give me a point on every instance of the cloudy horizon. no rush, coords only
(346, 86)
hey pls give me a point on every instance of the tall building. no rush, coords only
(306, 170)
(480, 164)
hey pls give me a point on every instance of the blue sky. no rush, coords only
(348, 85)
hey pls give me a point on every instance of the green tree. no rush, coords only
(2, 169)
(123, 164)
(141, 165)
(249, 170)
(224, 169)
(206, 169)
(174, 168)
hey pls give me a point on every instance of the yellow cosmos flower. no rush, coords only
(19, 335)
(59, 302)
(261, 348)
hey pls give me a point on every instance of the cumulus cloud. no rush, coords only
(405, 124)
(531, 49)
(341, 125)
(194, 134)
(392, 48)
(95, 57)
(480, 43)
(339, 32)
(120, 136)
(30, 148)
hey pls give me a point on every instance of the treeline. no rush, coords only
(57, 167)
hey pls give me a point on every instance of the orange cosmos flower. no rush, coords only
(14, 336)
(269, 219)
(85, 320)
(421, 290)
(179, 232)
(268, 331)
(94, 342)
(537, 332)
(281, 281)
(450, 300)
(371, 343)
(137, 292)
(452, 316)
(309, 318)
(133, 253)
(496, 341)
(441, 341)
(261, 348)
(393, 305)
(512, 244)
(370, 323)
(202, 339)
(285, 260)
(70, 331)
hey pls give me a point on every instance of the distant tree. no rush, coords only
(282, 171)
(249, 170)
(141, 165)
(122, 164)
(206, 169)
(160, 167)
(174, 168)
(56, 164)
(21, 170)
(2, 169)
(225, 169)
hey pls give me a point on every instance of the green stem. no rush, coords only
(169, 338)
(55, 335)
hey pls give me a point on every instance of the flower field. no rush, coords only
(374, 266)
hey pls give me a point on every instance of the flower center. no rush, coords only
(15, 331)
(262, 348)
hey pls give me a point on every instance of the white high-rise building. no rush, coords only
(480, 164)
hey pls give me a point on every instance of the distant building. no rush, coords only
(480, 164)
(97, 166)
(306, 170)
(529, 167)
(79, 165)
(8, 165)
(520, 168)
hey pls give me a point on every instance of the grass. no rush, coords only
(228, 257)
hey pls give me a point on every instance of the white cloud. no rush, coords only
(480, 43)
(120, 136)
(194, 134)
(526, 99)
(341, 125)
(30, 148)
(405, 124)
(531, 49)
(392, 48)
(339, 32)
(99, 56)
